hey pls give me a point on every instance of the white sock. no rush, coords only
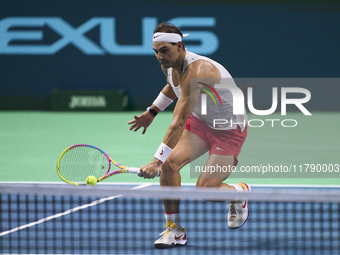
(174, 217)
(238, 187)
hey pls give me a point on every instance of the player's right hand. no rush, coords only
(149, 171)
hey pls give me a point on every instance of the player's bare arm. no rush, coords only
(183, 109)
(174, 132)
(145, 119)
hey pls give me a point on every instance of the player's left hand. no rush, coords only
(144, 120)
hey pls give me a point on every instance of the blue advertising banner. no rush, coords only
(107, 45)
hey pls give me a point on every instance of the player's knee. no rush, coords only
(170, 166)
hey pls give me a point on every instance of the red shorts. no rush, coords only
(220, 142)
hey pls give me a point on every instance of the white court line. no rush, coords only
(96, 202)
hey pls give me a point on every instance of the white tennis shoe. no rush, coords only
(238, 210)
(171, 237)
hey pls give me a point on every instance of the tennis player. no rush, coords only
(191, 133)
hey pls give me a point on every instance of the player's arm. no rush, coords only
(183, 109)
(180, 117)
(165, 97)
(163, 100)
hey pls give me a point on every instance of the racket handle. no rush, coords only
(132, 170)
(135, 170)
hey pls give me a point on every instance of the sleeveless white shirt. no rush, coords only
(224, 112)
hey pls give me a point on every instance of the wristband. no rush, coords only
(162, 101)
(152, 111)
(163, 152)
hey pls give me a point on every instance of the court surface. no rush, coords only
(31, 143)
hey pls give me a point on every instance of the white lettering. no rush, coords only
(262, 123)
(289, 120)
(297, 102)
(262, 112)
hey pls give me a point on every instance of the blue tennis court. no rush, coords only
(122, 225)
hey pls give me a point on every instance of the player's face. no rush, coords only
(166, 53)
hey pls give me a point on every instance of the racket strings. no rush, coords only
(80, 162)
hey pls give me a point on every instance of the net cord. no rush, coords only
(260, 194)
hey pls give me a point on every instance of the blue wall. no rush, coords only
(293, 40)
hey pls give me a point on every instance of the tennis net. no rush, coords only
(62, 219)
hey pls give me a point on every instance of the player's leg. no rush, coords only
(170, 176)
(225, 147)
(220, 168)
(188, 148)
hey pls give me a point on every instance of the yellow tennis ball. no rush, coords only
(91, 181)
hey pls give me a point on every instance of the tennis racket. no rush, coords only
(79, 161)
